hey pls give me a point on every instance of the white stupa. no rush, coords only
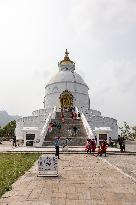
(66, 80)
(66, 89)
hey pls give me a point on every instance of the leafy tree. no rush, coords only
(1, 134)
(134, 132)
(8, 130)
(128, 132)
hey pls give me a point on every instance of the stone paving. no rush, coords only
(131, 146)
(127, 163)
(83, 180)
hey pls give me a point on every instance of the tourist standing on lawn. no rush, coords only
(57, 145)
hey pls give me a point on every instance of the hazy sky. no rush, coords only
(100, 36)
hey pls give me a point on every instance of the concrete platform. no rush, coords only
(7, 147)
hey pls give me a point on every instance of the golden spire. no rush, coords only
(66, 53)
(66, 59)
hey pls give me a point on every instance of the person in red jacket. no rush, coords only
(88, 146)
(104, 145)
(62, 117)
(93, 145)
(99, 151)
(72, 116)
(75, 116)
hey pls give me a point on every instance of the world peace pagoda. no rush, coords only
(66, 91)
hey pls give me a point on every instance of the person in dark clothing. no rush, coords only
(79, 114)
(14, 141)
(110, 142)
(59, 127)
(120, 140)
(123, 144)
(57, 144)
(75, 130)
(93, 145)
(96, 139)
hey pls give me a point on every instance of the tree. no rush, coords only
(1, 134)
(9, 130)
(134, 132)
(128, 132)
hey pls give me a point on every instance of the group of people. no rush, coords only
(72, 131)
(74, 113)
(58, 143)
(91, 147)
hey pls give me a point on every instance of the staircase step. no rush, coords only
(78, 140)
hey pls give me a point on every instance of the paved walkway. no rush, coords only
(83, 180)
(127, 163)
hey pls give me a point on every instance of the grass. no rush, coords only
(12, 166)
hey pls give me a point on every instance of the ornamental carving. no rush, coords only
(66, 99)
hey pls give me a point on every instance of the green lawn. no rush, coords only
(12, 166)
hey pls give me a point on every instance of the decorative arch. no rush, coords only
(66, 99)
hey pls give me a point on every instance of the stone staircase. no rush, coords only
(78, 140)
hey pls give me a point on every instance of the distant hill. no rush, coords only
(5, 118)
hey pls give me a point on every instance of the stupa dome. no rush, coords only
(67, 76)
(67, 72)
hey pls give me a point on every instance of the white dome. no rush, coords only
(67, 76)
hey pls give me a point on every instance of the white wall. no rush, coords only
(100, 121)
(79, 92)
(30, 121)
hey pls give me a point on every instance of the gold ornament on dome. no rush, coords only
(66, 59)
(66, 99)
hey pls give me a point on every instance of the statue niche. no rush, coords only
(66, 99)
